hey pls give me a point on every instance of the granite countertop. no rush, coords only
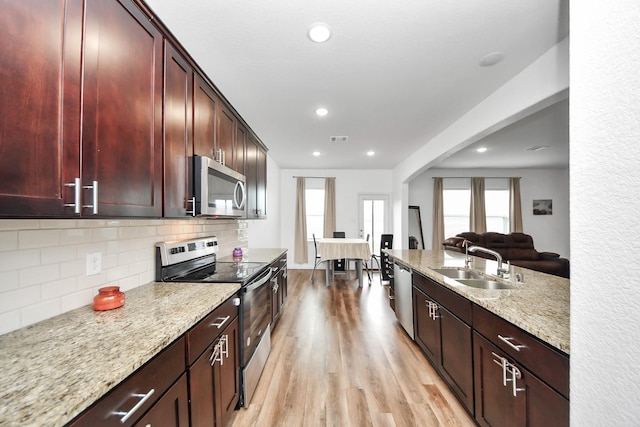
(539, 305)
(53, 370)
(257, 255)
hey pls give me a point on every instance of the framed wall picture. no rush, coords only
(543, 207)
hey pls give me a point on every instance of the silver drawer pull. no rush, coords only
(127, 415)
(507, 341)
(221, 322)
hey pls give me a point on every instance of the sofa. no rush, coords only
(517, 248)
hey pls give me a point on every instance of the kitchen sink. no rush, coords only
(484, 284)
(454, 273)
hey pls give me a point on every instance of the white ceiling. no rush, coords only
(393, 75)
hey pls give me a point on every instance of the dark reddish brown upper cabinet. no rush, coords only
(205, 104)
(239, 152)
(40, 75)
(225, 136)
(256, 173)
(442, 330)
(178, 90)
(122, 111)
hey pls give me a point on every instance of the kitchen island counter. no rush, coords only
(539, 305)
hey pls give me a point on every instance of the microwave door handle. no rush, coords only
(240, 185)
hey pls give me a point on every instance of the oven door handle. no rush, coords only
(260, 281)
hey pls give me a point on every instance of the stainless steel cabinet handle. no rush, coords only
(215, 354)
(93, 187)
(76, 192)
(144, 398)
(224, 348)
(507, 341)
(221, 322)
(192, 200)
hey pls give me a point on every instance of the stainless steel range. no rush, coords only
(194, 261)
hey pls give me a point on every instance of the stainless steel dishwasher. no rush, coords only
(404, 296)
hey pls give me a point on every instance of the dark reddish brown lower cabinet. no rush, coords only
(446, 341)
(214, 380)
(506, 394)
(172, 410)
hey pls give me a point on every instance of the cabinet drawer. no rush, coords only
(201, 335)
(157, 375)
(545, 362)
(453, 302)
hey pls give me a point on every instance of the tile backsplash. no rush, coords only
(43, 263)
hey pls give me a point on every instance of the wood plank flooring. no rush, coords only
(340, 358)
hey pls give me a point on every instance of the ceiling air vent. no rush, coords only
(338, 138)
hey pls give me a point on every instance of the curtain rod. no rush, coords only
(457, 177)
(314, 177)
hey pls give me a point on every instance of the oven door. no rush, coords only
(256, 313)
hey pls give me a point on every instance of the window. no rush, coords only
(314, 199)
(456, 198)
(456, 211)
(497, 210)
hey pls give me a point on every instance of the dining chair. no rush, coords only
(366, 263)
(340, 265)
(317, 257)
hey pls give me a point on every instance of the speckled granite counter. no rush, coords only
(538, 305)
(257, 255)
(53, 370)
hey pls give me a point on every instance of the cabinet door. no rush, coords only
(204, 118)
(495, 404)
(456, 356)
(172, 410)
(240, 148)
(261, 190)
(427, 330)
(226, 135)
(40, 105)
(201, 389)
(122, 110)
(251, 172)
(178, 77)
(229, 374)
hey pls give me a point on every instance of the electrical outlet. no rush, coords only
(94, 263)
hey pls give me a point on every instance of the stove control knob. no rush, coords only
(236, 302)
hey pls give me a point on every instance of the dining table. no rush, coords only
(343, 248)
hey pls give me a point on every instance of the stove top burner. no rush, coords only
(225, 272)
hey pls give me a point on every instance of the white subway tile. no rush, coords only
(77, 299)
(37, 275)
(28, 239)
(10, 321)
(138, 267)
(58, 254)
(9, 280)
(8, 241)
(74, 268)
(110, 261)
(16, 260)
(19, 224)
(41, 311)
(129, 283)
(89, 282)
(115, 274)
(19, 298)
(58, 288)
(58, 223)
(75, 236)
(104, 234)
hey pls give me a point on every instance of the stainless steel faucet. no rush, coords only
(501, 270)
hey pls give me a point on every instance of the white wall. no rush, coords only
(550, 232)
(605, 231)
(349, 184)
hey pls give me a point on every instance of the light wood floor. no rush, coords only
(340, 358)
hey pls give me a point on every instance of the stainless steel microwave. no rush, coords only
(219, 191)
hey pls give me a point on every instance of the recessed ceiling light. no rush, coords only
(371, 153)
(319, 32)
(316, 153)
(491, 59)
(322, 111)
(481, 149)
